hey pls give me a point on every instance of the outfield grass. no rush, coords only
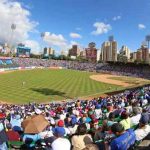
(49, 85)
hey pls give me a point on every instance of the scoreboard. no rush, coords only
(23, 51)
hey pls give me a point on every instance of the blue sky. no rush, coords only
(127, 20)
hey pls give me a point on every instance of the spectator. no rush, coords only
(126, 122)
(124, 139)
(144, 128)
(60, 142)
(81, 138)
(12, 135)
(3, 137)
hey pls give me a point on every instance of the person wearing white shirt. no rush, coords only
(60, 142)
(135, 119)
(144, 128)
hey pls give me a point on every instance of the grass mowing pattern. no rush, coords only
(43, 85)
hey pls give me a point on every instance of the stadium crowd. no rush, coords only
(117, 122)
(27, 62)
(135, 70)
(125, 69)
(115, 68)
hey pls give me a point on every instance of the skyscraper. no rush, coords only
(91, 52)
(109, 50)
(74, 51)
(125, 51)
(145, 54)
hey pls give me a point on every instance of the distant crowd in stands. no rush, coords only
(126, 69)
(117, 122)
(113, 68)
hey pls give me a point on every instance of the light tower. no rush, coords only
(42, 47)
(147, 38)
(13, 28)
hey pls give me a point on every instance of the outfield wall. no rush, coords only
(26, 68)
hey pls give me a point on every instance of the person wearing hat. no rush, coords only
(123, 139)
(144, 128)
(60, 142)
(98, 111)
(61, 124)
(74, 125)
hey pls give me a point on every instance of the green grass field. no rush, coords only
(49, 85)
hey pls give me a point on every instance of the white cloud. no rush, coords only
(115, 18)
(12, 12)
(55, 40)
(34, 45)
(75, 35)
(141, 26)
(101, 28)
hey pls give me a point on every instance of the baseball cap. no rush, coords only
(59, 131)
(60, 123)
(144, 119)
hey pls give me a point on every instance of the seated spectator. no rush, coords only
(135, 118)
(46, 133)
(124, 139)
(144, 128)
(98, 111)
(111, 118)
(126, 122)
(12, 135)
(16, 122)
(81, 138)
(3, 137)
(60, 142)
(61, 124)
(31, 139)
(74, 125)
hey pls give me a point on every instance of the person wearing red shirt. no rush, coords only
(12, 135)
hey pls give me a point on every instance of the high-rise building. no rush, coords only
(139, 55)
(48, 51)
(145, 54)
(91, 52)
(74, 51)
(109, 50)
(125, 51)
(133, 56)
(83, 54)
(6, 48)
(64, 53)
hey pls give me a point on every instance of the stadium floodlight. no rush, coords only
(92, 44)
(42, 35)
(111, 38)
(13, 28)
(147, 38)
(144, 43)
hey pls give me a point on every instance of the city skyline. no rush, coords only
(70, 22)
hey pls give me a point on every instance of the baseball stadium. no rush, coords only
(74, 75)
(83, 91)
(43, 81)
